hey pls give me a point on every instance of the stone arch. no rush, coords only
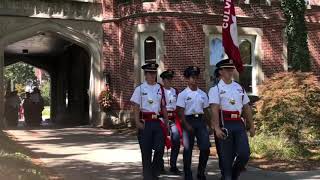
(89, 44)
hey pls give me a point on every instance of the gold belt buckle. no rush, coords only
(170, 114)
(196, 115)
(234, 116)
(154, 116)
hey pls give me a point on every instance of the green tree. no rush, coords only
(296, 34)
(45, 91)
(19, 73)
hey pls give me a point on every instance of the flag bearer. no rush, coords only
(229, 102)
(148, 100)
(192, 103)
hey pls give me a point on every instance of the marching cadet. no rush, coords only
(229, 102)
(174, 122)
(148, 100)
(192, 103)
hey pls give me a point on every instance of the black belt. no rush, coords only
(197, 116)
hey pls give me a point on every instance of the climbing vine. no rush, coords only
(296, 34)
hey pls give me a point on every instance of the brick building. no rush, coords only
(176, 34)
(84, 43)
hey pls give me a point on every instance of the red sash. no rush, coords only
(167, 140)
(175, 118)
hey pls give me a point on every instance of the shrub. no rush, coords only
(105, 99)
(289, 106)
(275, 147)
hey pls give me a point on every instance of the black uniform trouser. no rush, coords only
(234, 151)
(200, 132)
(151, 138)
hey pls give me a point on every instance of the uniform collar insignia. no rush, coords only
(222, 92)
(144, 93)
(189, 98)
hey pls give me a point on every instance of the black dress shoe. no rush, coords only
(175, 171)
(163, 170)
(201, 177)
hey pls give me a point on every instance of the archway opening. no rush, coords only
(68, 66)
(27, 94)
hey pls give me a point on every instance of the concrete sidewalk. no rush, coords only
(84, 153)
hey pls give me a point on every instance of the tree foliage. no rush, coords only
(19, 73)
(45, 91)
(296, 34)
(289, 106)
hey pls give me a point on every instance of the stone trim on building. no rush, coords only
(155, 30)
(70, 34)
(211, 30)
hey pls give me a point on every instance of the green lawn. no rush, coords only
(15, 164)
(46, 111)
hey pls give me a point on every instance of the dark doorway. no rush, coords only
(69, 67)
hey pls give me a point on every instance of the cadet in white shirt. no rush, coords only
(149, 103)
(171, 95)
(192, 103)
(229, 103)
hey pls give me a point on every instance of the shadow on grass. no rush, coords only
(15, 164)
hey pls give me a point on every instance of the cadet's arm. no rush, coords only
(247, 114)
(136, 110)
(207, 117)
(180, 111)
(215, 116)
(165, 113)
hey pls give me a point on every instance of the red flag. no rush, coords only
(230, 34)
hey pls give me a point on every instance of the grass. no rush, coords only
(46, 111)
(278, 153)
(16, 164)
(274, 147)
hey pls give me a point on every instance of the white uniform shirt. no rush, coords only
(171, 99)
(193, 101)
(231, 97)
(148, 97)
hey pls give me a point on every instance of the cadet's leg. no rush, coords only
(203, 140)
(226, 156)
(162, 162)
(188, 142)
(145, 142)
(242, 150)
(175, 140)
(158, 146)
(218, 153)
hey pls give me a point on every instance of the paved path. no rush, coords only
(95, 154)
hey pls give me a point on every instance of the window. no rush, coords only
(150, 50)
(245, 77)
(246, 47)
(216, 51)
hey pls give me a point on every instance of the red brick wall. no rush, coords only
(184, 38)
(314, 47)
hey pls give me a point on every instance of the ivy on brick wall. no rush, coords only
(296, 34)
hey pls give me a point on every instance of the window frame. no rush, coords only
(143, 37)
(241, 38)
